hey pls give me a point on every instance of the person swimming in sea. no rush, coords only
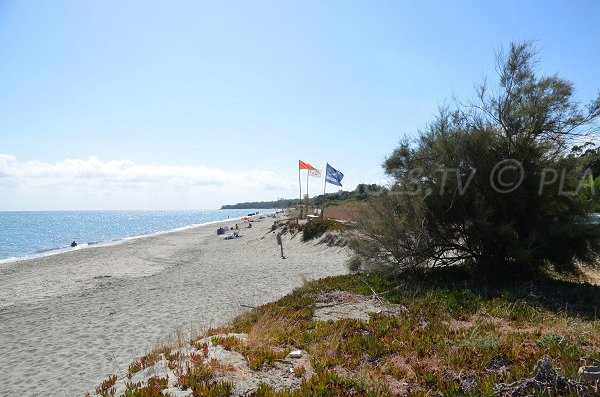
(73, 244)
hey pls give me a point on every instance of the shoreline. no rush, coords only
(125, 299)
(68, 249)
(95, 250)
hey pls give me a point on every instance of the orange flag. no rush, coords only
(305, 166)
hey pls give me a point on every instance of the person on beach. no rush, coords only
(237, 227)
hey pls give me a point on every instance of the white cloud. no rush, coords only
(93, 184)
(78, 171)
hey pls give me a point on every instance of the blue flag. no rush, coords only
(333, 176)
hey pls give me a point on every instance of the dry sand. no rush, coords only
(69, 320)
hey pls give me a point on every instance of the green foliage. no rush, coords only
(281, 203)
(197, 382)
(256, 356)
(106, 388)
(589, 195)
(516, 324)
(218, 389)
(153, 388)
(327, 384)
(145, 362)
(362, 192)
(354, 264)
(316, 228)
(453, 200)
(590, 156)
(194, 376)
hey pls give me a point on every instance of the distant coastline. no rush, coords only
(283, 203)
(362, 192)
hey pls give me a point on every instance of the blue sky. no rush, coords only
(167, 105)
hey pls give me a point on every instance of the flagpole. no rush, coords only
(324, 187)
(307, 174)
(300, 185)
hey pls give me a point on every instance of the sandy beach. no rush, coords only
(67, 321)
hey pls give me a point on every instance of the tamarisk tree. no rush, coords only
(491, 182)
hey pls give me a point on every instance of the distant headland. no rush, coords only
(361, 192)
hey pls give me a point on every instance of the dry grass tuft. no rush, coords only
(348, 212)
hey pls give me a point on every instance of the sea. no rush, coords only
(31, 234)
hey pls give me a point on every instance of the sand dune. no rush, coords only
(69, 320)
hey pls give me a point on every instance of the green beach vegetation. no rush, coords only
(453, 336)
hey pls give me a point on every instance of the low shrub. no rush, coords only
(315, 229)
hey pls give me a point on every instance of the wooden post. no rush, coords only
(300, 185)
(280, 243)
(323, 209)
(307, 174)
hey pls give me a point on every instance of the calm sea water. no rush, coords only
(28, 234)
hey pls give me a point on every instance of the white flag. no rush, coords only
(316, 173)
